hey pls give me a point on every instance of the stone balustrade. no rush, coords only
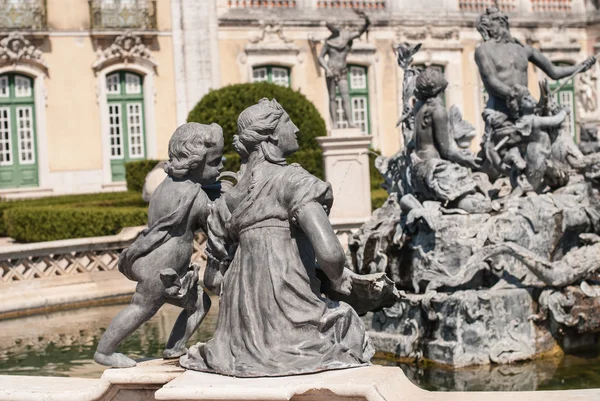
(139, 15)
(551, 6)
(22, 15)
(352, 4)
(25, 262)
(71, 273)
(261, 3)
(478, 6)
(438, 6)
(56, 275)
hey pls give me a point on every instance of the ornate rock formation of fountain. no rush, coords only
(496, 256)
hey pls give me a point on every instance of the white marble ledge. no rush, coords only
(374, 383)
(164, 380)
(149, 375)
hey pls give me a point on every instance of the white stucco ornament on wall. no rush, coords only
(15, 48)
(587, 94)
(270, 39)
(425, 33)
(126, 48)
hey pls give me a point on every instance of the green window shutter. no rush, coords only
(126, 128)
(18, 142)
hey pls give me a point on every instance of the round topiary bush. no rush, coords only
(224, 105)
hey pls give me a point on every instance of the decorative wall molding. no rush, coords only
(558, 39)
(15, 48)
(586, 92)
(270, 39)
(425, 33)
(126, 48)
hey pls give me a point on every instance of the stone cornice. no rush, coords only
(312, 18)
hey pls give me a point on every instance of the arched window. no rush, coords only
(273, 74)
(359, 99)
(125, 98)
(566, 97)
(18, 159)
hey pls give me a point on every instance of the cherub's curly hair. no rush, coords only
(257, 125)
(187, 147)
(484, 20)
(514, 100)
(429, 84)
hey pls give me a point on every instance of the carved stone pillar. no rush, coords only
(196, 52)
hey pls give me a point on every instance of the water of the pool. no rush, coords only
(63, 343)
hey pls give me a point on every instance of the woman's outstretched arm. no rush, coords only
(329, 252)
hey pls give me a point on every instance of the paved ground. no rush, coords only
(4, 241)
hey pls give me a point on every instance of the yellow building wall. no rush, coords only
(73, 125)
(68, 15)
(388, 116)
(229, 49)
(72, 115)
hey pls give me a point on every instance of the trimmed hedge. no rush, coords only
(49, 223)
(136, 171)
(378, 197)
(378, 194)
(108, 199)
(224, 105)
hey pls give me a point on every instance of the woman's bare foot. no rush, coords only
(114, 360)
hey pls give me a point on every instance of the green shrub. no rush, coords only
(231, 162)
(378, 197)
(136, 171)
(378, 194)
(98, 199)
(223, 106)
(311, 160)
(49, 223)
(375, 175)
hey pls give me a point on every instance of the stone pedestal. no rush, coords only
(346, 162)
(376, 383)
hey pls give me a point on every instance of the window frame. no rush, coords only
(123, 99)
(269, 73)
(570, 88)
(22, 169)
(356, 92)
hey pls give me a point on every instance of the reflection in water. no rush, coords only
(552, 373)
(63, 344)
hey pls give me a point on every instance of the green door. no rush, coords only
(18, 146)
(124, 92)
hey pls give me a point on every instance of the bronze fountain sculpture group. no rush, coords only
(287, 293)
